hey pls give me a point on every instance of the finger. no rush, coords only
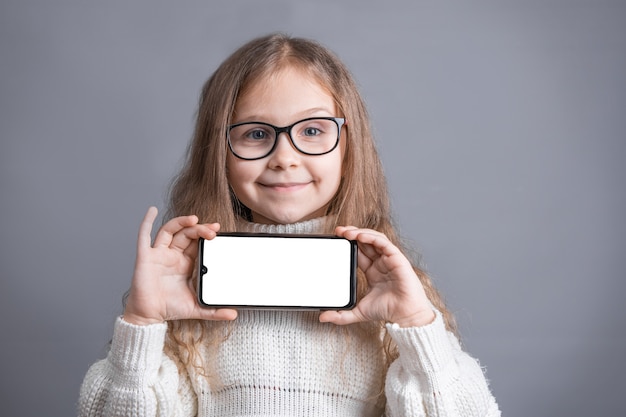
(144, 238)
(352, 232)
(191, 251)
(364, 261)
(366, 239)
(169, 229)
(375, 243)
(211, 232)
(186, 239)
(341, 318)
(367, 252)
(341, 230)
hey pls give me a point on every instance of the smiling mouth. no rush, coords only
(289, 186)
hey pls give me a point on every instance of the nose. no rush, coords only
(284, 154)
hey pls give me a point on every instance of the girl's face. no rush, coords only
(286, 186)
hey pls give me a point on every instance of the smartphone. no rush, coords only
(267, 271)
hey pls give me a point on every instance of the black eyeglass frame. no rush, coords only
(339, 121)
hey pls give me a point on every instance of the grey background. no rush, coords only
(502, 129)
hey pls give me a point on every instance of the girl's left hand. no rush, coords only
(395, 292)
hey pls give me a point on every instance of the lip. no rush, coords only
(285, 186)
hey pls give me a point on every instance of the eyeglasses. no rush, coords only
(312, 136)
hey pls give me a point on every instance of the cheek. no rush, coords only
(235, 172)
(334, 171)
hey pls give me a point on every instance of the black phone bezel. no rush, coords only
(202, 270)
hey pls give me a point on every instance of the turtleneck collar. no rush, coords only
(313, 226)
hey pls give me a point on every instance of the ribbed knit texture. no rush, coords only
(287, 363)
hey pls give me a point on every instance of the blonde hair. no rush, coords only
(202, 188)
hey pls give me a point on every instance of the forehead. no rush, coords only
(286, 92)
(284, 70)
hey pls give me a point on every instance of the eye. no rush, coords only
(311, 131)
(257, 134)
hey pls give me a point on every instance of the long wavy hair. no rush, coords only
(201, 188)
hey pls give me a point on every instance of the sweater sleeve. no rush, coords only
(136, 378)
(433, 376)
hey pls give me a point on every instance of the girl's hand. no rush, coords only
(395, 293)
(161, 288)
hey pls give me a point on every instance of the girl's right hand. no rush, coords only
(162, 288)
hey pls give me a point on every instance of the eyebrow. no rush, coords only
(300, 115)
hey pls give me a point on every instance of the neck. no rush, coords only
(313, 226)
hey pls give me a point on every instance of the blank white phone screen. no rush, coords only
(276, 271)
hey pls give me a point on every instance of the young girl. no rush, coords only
(394, 354)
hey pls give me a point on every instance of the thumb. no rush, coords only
(341, 318)
(216, 314)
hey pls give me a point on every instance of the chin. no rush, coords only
(289, 219)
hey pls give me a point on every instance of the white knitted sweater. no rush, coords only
(287, 363)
